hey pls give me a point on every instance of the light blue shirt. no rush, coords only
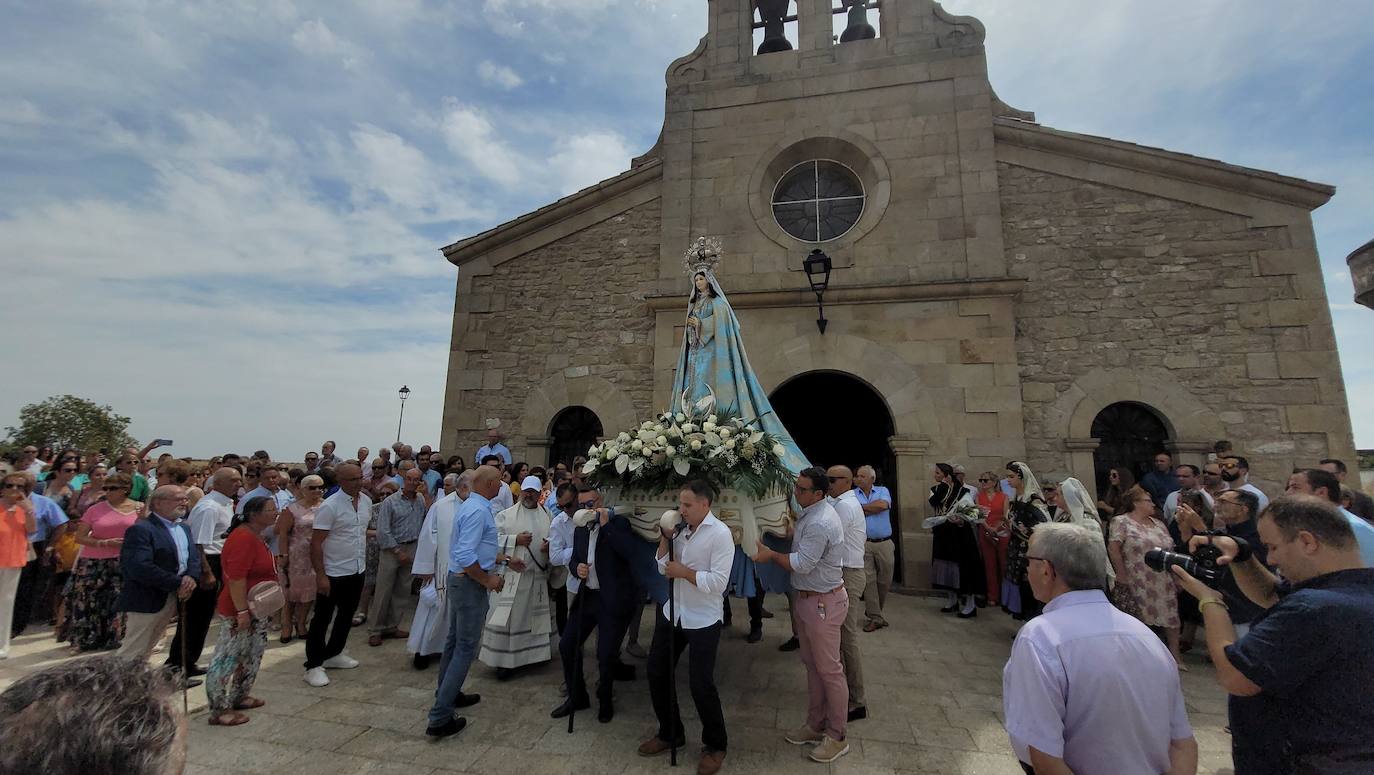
(879, 525)
(180, 539)
(486, 449)
(1364, 536)
(47, 516)
(433, 480)
(474, 535)
(281, 497)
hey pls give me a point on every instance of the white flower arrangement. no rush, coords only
(963, 512)
(666, 451)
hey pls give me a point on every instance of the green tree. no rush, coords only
(69, 421)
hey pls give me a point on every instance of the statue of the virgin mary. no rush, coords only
(713, 373)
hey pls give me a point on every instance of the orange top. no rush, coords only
(14, 539)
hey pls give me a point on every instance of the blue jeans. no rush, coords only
(467, 616)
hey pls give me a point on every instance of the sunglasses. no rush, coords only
(984, 479)
(586, 504)
(313, 487)
(13, 486)
(834, 479)
(68, 470)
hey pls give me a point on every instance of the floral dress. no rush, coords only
(300, 573)
(1152, 595)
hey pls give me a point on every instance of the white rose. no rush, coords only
(712, 419)
(725, 433)
(696, 444)
(779, 450)
(708, 426)
(623, 438)
(688, 427)
(681, 417)
(646, 452)
(729, 443)
(636, 445)
(661, 441)
(657, 429)
(670, 450)
(646, 425)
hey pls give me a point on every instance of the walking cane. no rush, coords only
(671, 521)
(185, 688)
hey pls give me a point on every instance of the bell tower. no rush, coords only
(896, 91)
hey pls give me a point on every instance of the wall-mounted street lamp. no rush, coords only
(405, 393)
(818, 267)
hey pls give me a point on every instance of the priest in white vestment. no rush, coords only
(429, 629)
(519, 631)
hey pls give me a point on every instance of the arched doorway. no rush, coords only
(572, 431)
(1129, 434)
(838, 419)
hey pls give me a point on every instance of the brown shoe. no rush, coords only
(711, 762)
(804, 735)
(656, 745)
(829, 750)
(375, 639)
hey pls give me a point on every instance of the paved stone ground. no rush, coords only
(934, 698)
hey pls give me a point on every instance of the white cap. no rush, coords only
(531, 483)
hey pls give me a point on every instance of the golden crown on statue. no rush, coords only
(702, 256)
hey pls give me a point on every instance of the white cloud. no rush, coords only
(19, 111)
(471, 135)
(582, 160)
(499, 75)
(314, 37)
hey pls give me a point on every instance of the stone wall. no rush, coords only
(1165, 296)
(571, 311)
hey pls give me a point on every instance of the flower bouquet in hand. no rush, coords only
(965, 512)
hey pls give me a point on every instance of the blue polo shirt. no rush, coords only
(47, 517)
(474, 535)
(1312, 657)
(876, 526)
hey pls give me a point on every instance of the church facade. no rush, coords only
(999, 290)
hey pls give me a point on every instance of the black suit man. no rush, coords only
(606, 599)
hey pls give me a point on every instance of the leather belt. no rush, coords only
(805, 593)
(878, 540)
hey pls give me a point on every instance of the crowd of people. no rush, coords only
(504, 563)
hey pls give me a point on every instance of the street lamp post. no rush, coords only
(818, 267)
(405, 393)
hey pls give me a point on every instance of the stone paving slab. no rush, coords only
(933, 683)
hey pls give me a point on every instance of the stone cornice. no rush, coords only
(569, 206)
(1170, 164)
(861, 294)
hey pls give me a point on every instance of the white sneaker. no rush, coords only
(341, 662)
(316, 677)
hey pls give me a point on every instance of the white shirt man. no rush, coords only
(703, 553)
(1088, 688)
(338, 552)
(845, 501)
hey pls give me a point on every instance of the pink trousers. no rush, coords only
(819, 620)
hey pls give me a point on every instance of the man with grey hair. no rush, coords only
(879, 552)
(1089, 688)
(97, 714)
(429, 628)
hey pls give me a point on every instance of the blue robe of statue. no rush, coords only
(712, 364)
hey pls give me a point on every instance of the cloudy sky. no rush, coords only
(222, 216)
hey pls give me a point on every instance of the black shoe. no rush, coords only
(606, 712)
(194, 671)
(504, 673)
(859, 713)
(972, 613)
(623, 672)
(569, 705)
(765, 613)
(453, 727)
(189, 683)
(755, 635)
(727, 615)
(466, 700)
(420, 661)
(791, 644)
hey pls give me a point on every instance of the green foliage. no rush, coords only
(68, 421)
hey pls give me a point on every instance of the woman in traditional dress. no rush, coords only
(1026, 510)
(1146, 594)
(956, 566)
(294, 528)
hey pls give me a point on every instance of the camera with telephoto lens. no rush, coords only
(1201, 564)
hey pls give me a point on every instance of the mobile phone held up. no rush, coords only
(164, 442)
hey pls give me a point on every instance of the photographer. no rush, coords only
(1236, 514)
(1301, 678)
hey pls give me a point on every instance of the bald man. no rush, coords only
(338, 552)
(846, 504)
